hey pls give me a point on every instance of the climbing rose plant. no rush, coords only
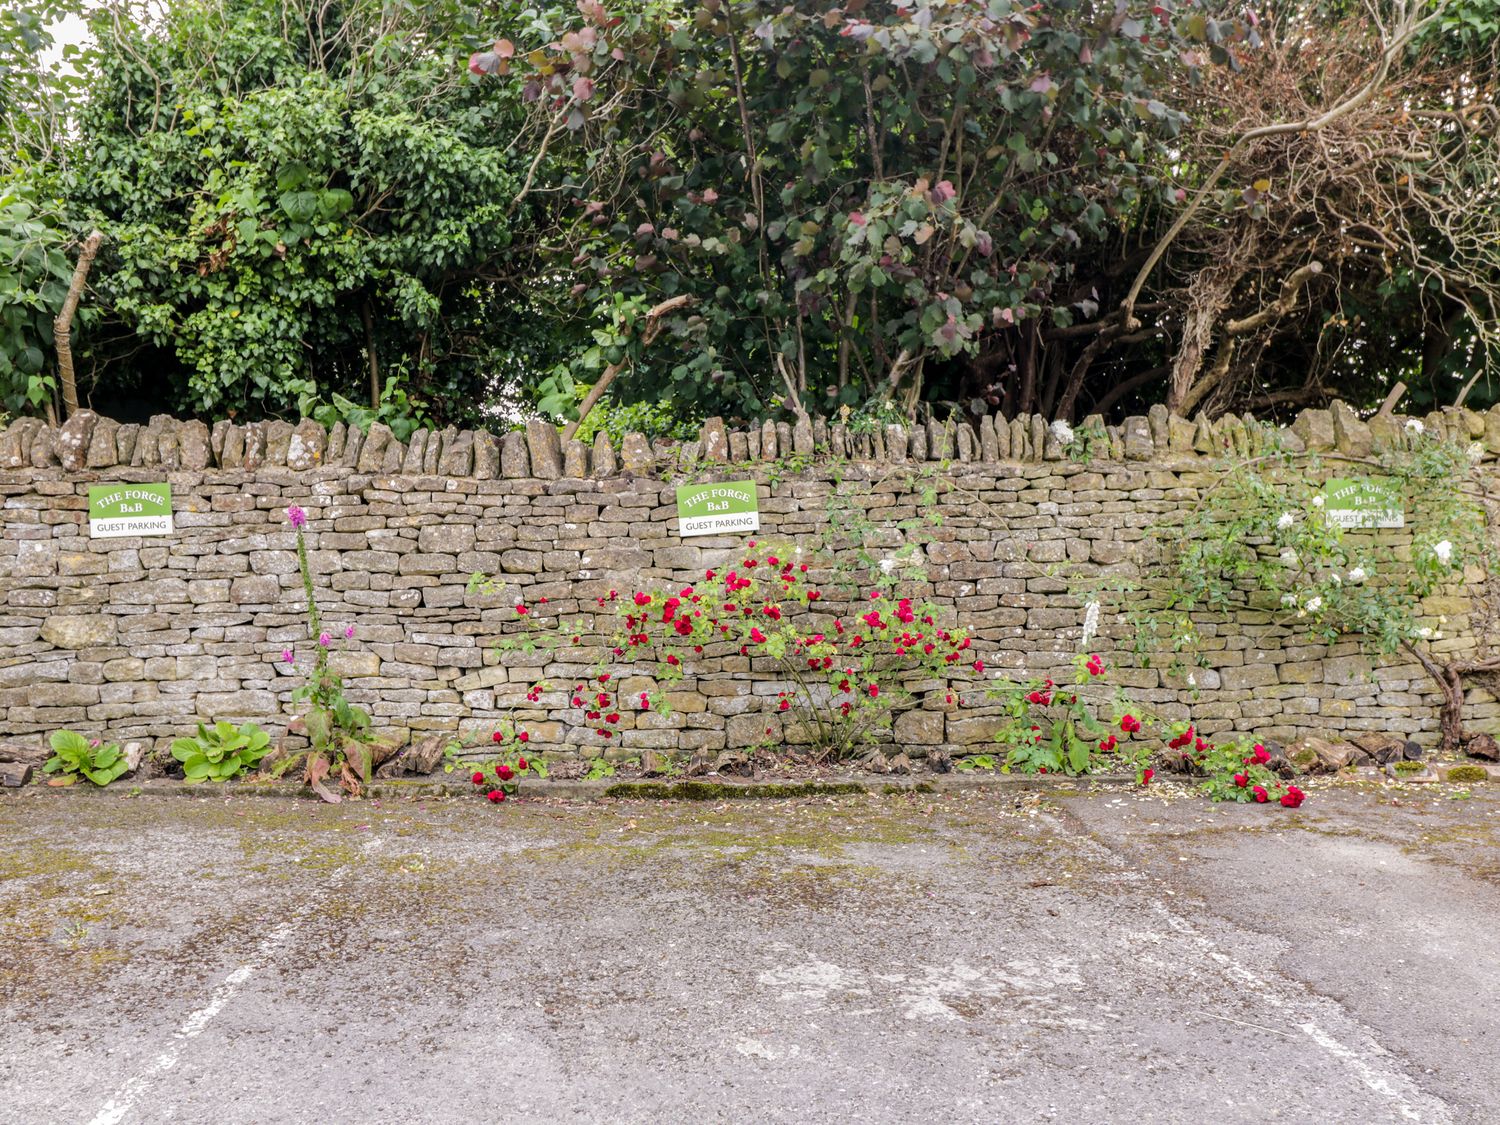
(1261, 534)
(844, 670)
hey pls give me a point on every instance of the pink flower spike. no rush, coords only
(296, 517)
(286, 656)
(323, 639)
(348, 631)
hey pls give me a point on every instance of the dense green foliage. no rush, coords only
(221, 752)
(34, 275)
(852, 196)
(886, 205)
(286, 191)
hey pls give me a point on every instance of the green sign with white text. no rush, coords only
(1363, 502)
(129, 509)
(717, 509)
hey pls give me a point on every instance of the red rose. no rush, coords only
(478, 778)
(504, 772)
(524, 737)
(1262, 755)
(642, 599)
(612, 717)
(1261, 796)
(783, 705)
(874, 691)
(1293, 797)
(521, 765)
(1242, 780)
(497, 737)
(1130, 724)
(496, 795)
(1146, 776)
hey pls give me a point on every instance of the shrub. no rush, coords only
(844, 670)
(498, 778)
(1238, 772)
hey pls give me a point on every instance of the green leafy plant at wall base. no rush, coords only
(221, 752)
(74, 756)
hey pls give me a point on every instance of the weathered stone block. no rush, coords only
(457, 459)
(1315, 430)
(73, 440)
(514, 460)
(306, 445)
(545, 448)
(80, 631)
(372, 452)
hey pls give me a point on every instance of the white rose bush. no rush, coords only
(1261, 535)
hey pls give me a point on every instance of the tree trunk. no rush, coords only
(371, 355)
(62, 326)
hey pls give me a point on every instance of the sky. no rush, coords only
(69, 29)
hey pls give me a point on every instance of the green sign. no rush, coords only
(129, 509)
(717, 509)
(1363, 502)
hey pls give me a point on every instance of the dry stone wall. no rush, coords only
(141, 637)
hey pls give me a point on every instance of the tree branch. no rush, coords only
(1407, 29)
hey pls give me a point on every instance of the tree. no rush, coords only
(1061, 209)
(864, 199)
(306, 208)
(1353, 215)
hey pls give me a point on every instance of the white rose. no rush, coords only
(1286, 520)
(1288, 599)
(1358, 575)
(1318, 501)
(1444, 551)
(1424, 632)
(1413, 426)
(1314, 604)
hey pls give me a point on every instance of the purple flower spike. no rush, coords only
(348, 632)
(297, 517)
(323, 639)
(286, 656)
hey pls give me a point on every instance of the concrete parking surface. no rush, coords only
(985, 957)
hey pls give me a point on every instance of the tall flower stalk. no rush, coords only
(338, 731)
